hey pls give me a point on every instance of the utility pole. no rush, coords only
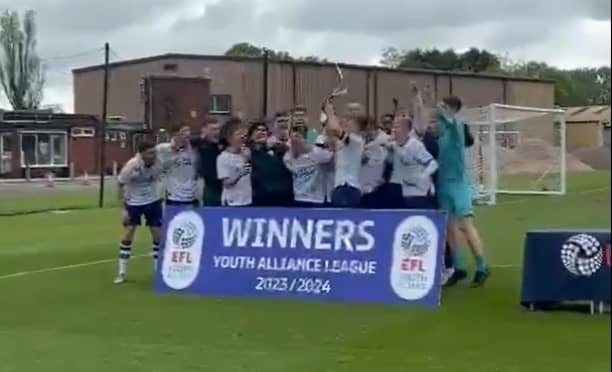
(102, 129)
(266, 64)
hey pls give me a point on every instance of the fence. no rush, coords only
(48, 194)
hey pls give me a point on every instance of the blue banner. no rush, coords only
(389, 256)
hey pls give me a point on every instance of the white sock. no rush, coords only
(125, 252)
(155, 254)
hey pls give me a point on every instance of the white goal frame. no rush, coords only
(492, 122)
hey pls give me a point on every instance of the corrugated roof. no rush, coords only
(44, 116)
(587, 114)
(162, 57)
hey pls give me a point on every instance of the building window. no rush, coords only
(162, 137)
(112, 136)
(220, 104)
(44, 149)
(6, 153)
(170, 67)
(77, 132)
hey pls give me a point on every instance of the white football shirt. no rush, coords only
(413, 166)
(349, 152)
(373, 165)
(308, 172)
(327, 170)
(179, 170)
(140, 183)
(230, 165)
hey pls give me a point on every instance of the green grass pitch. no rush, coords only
(74, 319)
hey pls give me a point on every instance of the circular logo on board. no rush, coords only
(413, 265)
(183, 250)
(582, 255)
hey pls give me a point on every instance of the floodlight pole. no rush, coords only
(102, 131)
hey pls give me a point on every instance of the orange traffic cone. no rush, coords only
(50, 180)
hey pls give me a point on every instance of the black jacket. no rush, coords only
(207, 169)
(271, 180)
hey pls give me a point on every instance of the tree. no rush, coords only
(474, 59)
(576, 87)
(21, 72)
(245, 49)
(391, 57)
(603, 80)
(477, 60)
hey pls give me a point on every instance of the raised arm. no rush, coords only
(419, 111)
(333, 124)
(322, 156)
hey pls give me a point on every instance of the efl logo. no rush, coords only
(183, 250)
(413, 265)
(181, 257)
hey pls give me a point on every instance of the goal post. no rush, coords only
(517, 150)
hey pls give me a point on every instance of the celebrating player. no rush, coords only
(280, 129)
(349, 147)
(178, 162)
(454, 191)
(413, 167)
(234, 166)
(271, 180)
(299, 117)
(307, 166)
(374, 162)
(208, 149)
(138, 191)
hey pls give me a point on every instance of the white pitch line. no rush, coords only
(583, 192)
(100, 262)
(111, 260)
(63, 268)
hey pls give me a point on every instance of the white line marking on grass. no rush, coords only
(534, 198)
(505, 266)
(111, 260)
(63, 268)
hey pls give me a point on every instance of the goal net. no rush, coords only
(517, 150)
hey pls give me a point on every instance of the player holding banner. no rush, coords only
(138, 192)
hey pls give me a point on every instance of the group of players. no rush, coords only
(414, 160)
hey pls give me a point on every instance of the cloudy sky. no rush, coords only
(71, 33)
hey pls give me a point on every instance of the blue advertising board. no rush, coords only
(566, 265)
(388, 256)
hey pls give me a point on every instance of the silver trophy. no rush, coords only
(339, 90)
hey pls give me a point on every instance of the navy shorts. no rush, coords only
(152, 214)
(386, 196)
(194, 203)
(421, 202)
(301, 204)
(346, 197)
